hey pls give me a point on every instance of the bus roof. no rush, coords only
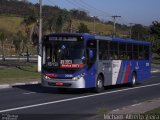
(93, 36)
(122, 40)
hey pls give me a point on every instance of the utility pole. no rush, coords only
(130, 31)
(70, 26)
(40, 38)
(94, 24)
(114, 24)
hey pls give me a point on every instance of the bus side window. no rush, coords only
(146, 52)
(113, 50)
(114, 55)
(122, 51)
(103, 50)
(135, 52)
(141, 52)
(129, 51)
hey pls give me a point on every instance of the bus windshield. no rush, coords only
(64, 54)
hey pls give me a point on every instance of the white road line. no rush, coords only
(27, 93)
(116, 110)
(75, 98)
(136, 104)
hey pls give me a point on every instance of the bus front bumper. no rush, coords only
(64, 83)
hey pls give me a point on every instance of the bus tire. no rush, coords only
(99, 84)
(133, 81)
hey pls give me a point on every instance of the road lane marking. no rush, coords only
(115, 110)
(75, 98)
(27, 93)
(136, 104)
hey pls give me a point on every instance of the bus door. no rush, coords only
(113, 50)
(104, 62)
(116, 65)
(107, 70)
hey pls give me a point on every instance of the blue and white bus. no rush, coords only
(75, 60)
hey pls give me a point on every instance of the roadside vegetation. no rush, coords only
(155, 111)
(155, 58)
(13, 74)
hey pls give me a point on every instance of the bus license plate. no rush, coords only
(59, 83)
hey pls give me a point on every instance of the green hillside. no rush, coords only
(10, 23)
(100, 28)
(13, 24)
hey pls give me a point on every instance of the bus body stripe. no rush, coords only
(127, 74)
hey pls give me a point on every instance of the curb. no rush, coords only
(5, 86)
(138, 108)
(132, 111)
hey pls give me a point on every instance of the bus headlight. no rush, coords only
(79, 76)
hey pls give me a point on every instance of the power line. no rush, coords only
(94, 8)
(73, 3)
(99, 11)
(114, 24)
(88, 7)
(51, 2)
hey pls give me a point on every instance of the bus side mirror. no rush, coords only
(83, 60)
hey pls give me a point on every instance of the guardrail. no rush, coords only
(14, 57)
(19, 59)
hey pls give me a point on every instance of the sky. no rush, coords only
(131, 11)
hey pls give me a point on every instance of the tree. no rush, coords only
(2, 39)
(82, 28)
(62, 18)
(31, 27)
(139, 32)
(17, 42)
(56, 22)
(50, 24)
(155, 35)
(155, 29)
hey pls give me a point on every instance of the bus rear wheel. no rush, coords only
(99, 84)
(133, 81)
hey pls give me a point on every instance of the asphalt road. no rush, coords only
(37, 100)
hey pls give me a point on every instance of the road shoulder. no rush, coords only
(138, 108)
(135, 109)
(5, 86)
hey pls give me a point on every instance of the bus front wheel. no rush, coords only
(99, 84)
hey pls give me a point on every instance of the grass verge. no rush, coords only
(156, 61)
(10, 23)
(154, 111)
(19, 74)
